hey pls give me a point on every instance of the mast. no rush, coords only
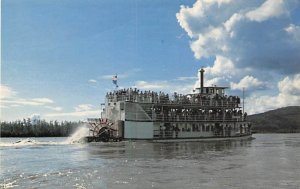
(243, 100)
(201, 79)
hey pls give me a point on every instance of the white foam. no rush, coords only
(25, 141)
(22, 142)
(78, 135)
(8, 185)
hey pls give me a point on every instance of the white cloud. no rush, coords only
(83, 107)
(222, 66)
(182, 85)
(151, 85)
(79, 115)
(187, 13)
(55, 108)
(230, 23)
(248, 82)
(289, 95)
(6, 92)
(182, 88)
(290, 85)
(294, 31)
(27, 102)
(238, 33)
(198, 14)
(269, 9)
(9, 101)
(92, 81)
(81, 111)
(2, 106)
(42, 100)
(15, 105)
(211, 42)
(180, 36)
(219, 2)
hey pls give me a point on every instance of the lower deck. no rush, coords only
(159, 130)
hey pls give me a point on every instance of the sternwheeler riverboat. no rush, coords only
(206, 114)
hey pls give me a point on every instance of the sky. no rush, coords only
(58, 56)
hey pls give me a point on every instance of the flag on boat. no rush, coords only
(115, 80)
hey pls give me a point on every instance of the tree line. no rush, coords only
(41, 128)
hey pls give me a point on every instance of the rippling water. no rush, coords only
(269, 161)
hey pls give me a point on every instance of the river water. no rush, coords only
(268, 161)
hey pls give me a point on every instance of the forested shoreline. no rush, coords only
(41, 128)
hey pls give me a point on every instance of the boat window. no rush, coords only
(122, 105)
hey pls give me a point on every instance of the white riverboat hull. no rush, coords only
(206, 139)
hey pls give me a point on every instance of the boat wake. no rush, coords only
(21, 142)
(8, 185)
(76, 138)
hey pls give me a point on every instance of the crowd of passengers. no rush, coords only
(172, 114)
(136, 95)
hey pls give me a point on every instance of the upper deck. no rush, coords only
(215, 97)
(212, 96)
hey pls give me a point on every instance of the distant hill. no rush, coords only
(282, 120)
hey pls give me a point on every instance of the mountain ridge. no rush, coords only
(281, 120)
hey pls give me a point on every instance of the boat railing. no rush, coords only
(209, 102)
(182, 118)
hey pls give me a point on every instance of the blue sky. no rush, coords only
(58, 56)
